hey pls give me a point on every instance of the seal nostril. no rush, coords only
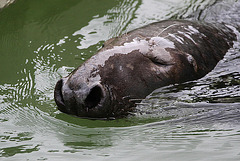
(94, 97)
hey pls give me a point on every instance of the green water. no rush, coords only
(43, 40)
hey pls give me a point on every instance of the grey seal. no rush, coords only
(131, 66)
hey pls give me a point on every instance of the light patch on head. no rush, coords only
(163, 58)
(192, 61)
(112, 66)
(130, 66)
(144, 46)
(162, 71)
(160, 41)
(190, 30)
(155, 46)
(158, 52)
(187, 34)
(120, 68)
(178, 38)
(193, 30)
(95, 79)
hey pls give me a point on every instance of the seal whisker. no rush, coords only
(166, 29)
(135, 99)
(142, 103)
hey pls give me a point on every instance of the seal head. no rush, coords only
(131, 66)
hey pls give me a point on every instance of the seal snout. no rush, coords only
(86, 101)
(58, 97)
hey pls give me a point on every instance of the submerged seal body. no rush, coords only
(131, 66)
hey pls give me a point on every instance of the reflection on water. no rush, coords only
(41, 41)
(112, 24)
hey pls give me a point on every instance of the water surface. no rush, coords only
(41, 41)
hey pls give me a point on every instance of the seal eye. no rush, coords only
(160, 56)
(157, 61)
(160, 60)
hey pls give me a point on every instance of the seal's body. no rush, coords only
(131, 66)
